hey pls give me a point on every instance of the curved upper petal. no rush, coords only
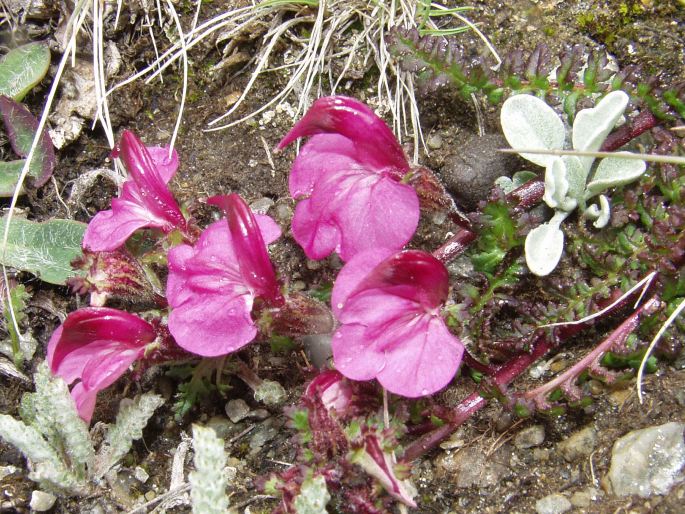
(85, 401)
(143, 169)
(376, 145)
(94, 325)
(248, 245)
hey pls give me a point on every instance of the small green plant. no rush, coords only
(20, 347)
(57, 442)
(570, 182)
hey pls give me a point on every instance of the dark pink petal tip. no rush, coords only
(248, 245)
(356, 121)
(414, 273)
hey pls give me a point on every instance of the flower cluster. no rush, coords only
(355, 198)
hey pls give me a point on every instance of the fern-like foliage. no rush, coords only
(441, 61)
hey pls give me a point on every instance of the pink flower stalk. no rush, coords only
(348, 180)
(391, 324)
(96, 345)
(145, 200)
(213, 285)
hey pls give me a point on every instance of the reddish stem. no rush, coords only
(455, 245)
(629, 131)
(527, 195)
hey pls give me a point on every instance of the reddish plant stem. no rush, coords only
(455, 245)
(528, 195)
(629, 131)
(474, 402)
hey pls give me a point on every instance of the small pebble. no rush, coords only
(140, 474)
(150, 495)
(222, 427)
(553, 504)
(578, 445)
(582, 499)
(237, 410)
(434, 141)
(529, 437)
(41, 501)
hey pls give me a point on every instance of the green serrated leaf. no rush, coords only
(22, 68)
(45, 249)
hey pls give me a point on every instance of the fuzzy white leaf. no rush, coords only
(544, 246)
(53, 399)
(592, 126)
(556, 185)
(528, 122)
(601, 214)
(27, 440)
(614, 172)
(576, 175)
(208, 481)
(131, 420)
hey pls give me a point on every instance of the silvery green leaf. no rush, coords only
(556, 186)
(576, 175)
(544, 246)
(53, 398)
(519, 178)
(27, 440)
(528, 122)
(313, 496)
(208, 481)
(600, 214)
(132, 417)
(614, 172)
(592, 126)
(22, 68)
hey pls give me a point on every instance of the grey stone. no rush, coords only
(578, 445)
(530, 437)
(140, 474)
(222, 427)
(648, 461)
(582, 499)
(237, 410)
(470, 466)
(434, 141)
(553, 504)
(41, 501)
(318, 349)
(470, 173)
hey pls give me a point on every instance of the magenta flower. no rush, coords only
(348, 180)
(212, 286)
(391, 324)
(332, 389)
(145, 200)
(96, 345)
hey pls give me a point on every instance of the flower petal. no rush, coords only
(88, 325)
(353, 273)
(353, 356)
(165, 165)
(322, 153)
(85, 401)
(423, 360)
(248, 245)
(106, 366)
(213, 324)
(357, 205)
(318, 235)
(156, 196)
(376, 145)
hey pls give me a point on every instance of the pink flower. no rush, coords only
(391, 324)
(212, 286)
(332, 389)
(96, 345)
(145, 199)
(348, 180)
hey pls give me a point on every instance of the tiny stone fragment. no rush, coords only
(237, 410)
(578, 445)
(270, 392)
(553, 504)
(648, 461)
(582, 499)
(140, 474)
(41, 501)
(221, 426)
(530, 437)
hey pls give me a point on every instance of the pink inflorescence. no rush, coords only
(348, 180)
(389, 306)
